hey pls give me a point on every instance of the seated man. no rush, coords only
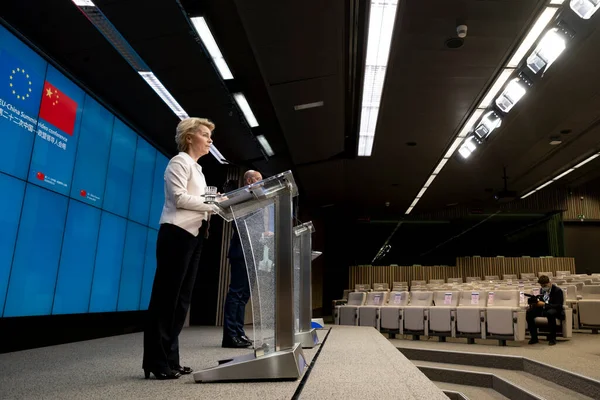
(548, 304)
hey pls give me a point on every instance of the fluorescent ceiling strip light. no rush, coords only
(114, 37)
(544, 185)
(365, 144)
(586, 160)
(309, 105)
(528, 194)
(265, 145)
(409, 210)
(526, 45)
(498, 84)
(379, 39)
(532, 36)
(240, 99)
(431, 178)
(84, 3)
(556, 2)
(470, 123)
(421, 193)
(440, 166)
(567, 172)
(415, 201)
(164, 94)
(211, 45)
(457, 142)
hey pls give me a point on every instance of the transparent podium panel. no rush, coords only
(263, 216)
(257, 234)
(303, 256)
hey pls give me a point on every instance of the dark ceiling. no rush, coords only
(284, 53)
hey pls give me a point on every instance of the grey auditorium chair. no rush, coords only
(368, 314)
(589, 308)
(442, 315)
(391, 314)
(505, 318)
(415, 314)
(470, 314)
(348, 314)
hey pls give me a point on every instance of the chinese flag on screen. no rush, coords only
(58, 109)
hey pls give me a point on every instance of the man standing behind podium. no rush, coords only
(239, 290)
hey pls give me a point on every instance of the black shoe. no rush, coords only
(246, 339)
(551, 342)
(162, 375)
(234, 343)
(533, 341)
(182, 370)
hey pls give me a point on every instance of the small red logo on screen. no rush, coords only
(83, 193)
(40, 176)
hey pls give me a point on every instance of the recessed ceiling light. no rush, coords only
(555, 142)
(309, 105)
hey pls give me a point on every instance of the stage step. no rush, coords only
(471, 392)
(512, 384)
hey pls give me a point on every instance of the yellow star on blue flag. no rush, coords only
(19, 83)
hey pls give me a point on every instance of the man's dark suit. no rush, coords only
(552, 310)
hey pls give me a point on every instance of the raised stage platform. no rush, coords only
(352, 362)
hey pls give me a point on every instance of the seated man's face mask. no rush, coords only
(545, 288)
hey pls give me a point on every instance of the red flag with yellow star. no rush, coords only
(58, 109)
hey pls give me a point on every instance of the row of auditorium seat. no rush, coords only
(474, 310)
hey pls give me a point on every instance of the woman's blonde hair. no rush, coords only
(187, 127)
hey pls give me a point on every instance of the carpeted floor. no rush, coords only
(579, 354)
(111, 368)
(355, 362)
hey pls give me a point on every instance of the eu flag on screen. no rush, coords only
(21, 80)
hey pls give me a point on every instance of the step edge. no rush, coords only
(498, 384)
(573, 381)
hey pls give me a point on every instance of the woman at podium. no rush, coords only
(183, 227)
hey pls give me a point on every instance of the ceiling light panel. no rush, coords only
(551, 46)
(498, 84)
(439, 167)
(587, 160)
(309, 105)
(265, 145)
(114, 37)
(585, 8)
(379, 38)
(210, 43)
(567, 172)
(241, 101)
(470, 123)
(532, 36)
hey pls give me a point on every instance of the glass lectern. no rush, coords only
(305, 334)
(263, 216)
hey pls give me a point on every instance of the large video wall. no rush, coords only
(80, 196)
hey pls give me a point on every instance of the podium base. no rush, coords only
(284, 364)
(308, 339)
